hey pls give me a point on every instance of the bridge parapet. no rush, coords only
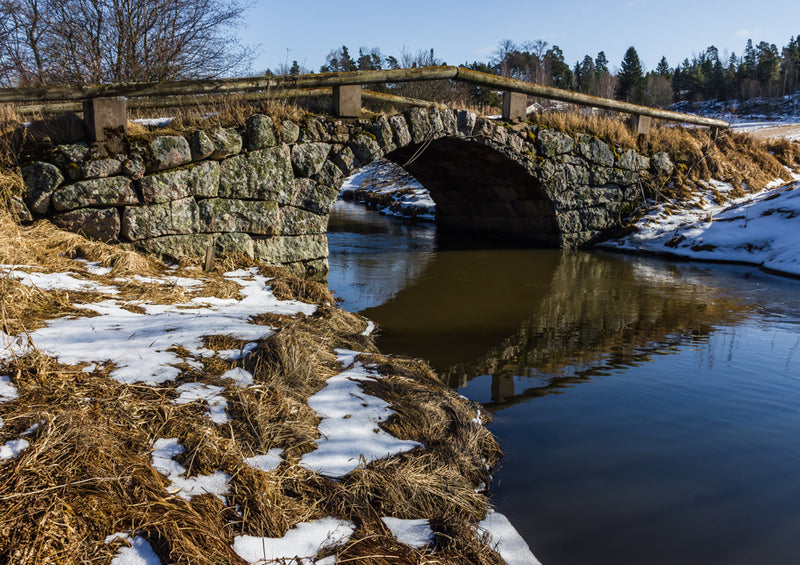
(266, 190)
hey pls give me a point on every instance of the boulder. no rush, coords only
(41, 180)
(227, 142)
(291, 132)
(168, 152)
(260, 132)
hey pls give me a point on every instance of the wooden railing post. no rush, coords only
(106, 119)
(347, 101)
(515, 105)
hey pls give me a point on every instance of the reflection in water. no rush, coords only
(683, 452)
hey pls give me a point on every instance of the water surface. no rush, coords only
(648, 410)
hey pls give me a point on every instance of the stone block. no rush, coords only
(261, 175)
(291, 249)
(402, 136)
(261, 132)
(106, 120)
(224, 215)
(100, 224)
(168, 152)
(41, 180)
(200, 145)
(112, 191)
(155, 220)
(226, 142)
(308, 158)
(347, 101)
(515, 105)
(419, 123)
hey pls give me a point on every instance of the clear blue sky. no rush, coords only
(470, 30)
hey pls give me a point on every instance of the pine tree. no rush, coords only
(631, 78)
(663, 68)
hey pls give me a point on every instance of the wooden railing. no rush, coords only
(344, 87)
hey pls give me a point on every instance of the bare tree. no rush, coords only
(101, 41)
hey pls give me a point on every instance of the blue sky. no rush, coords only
(470, 30)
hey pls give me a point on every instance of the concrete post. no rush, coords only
(347, 101)
(106, 119)
(515, 105)
(640, 125)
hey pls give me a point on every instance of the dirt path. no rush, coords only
(791, 131)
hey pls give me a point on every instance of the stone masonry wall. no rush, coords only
(267, 190)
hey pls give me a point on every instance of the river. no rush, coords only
(647, 410)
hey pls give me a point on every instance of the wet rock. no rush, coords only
(100, 224)
(112, 191)
(41, 180)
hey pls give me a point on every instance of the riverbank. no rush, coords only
(757, 229)
(172, 416)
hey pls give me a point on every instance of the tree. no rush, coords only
(585, 80)
(631, 78)
(663, 68)
(100, 41)
(560, 73)
(338, 60)
(480, 95)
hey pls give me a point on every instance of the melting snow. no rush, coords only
(506, 540)
(349, 430)
(139, 553)
(164, 452)
(758, 229)
(414, 533)
(266, 462)
(301, 542)
(217, 404)
(8, 391)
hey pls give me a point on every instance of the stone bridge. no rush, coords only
(266, 189)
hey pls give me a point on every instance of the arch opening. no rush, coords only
(478, 190)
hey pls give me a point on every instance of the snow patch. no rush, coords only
(139, 552)
(164, 452)
(303, 541)
(506, 541)
(413, 533)
(217, 404)
(267, 462)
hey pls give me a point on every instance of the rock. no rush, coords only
(384, 136)
(261, 175)
(112, 191)
(41, 180)
(19, 209)
(465, 121)
(436, 120)
(176, 217)
(260, 132)
(402, 136)
(595, 151)
(314, 196)
(133, 168)
(552, 142)
(197, 180)
(173, 247)
(101, 168)
(345, 159)
(500, 135)
(227, 142)
(101, 224)
(222, 215)
(291, 132)
(168, 152)
(366, 148)
(449, 122)
(313, 131)
(291, 249)
(628, 161)
(340, 132)
(70, 158)
(308, 158)
(200, 145)
(419, 123)
(295, 221)
(661, 164)
(330, 175)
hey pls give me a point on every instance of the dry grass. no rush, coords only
(88, 471)
(614, 130)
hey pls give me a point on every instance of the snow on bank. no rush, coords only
(389, 187)
(349, 433)
(506, 540)
(413, 533)
(139, 552)
(139, 344)
(301, 542)
(164, 452)
(760, 229)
